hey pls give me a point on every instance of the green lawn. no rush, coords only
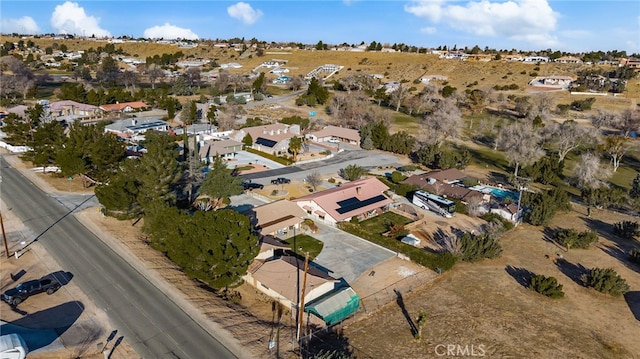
(378, 224)
(403, 122)
(307, 243)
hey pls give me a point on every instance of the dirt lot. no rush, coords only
(483, 305)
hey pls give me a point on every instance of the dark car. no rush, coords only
(26, 289)
(249, 186)
(280, 180)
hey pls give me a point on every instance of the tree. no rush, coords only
(220, 183)
(120, 196)
(314, 179)
(547, 286)
(189, 113)
(352, 172)
(606, 281)
(421, 320)
(476, 247)
(616, 147)
(158, 170)
(626, 229)
(108, 71)
(569, 136)
(129, 78)
(627, 121)
(259, 85)
(476, 101)
(296, 83)
(571, 238)
(589, 173)
(247, 140)
(295, 146)
(399, 95)
(521, 145)
(154, 72)
(634, 192)
(215, 247)
(47, 141)
(443, 123)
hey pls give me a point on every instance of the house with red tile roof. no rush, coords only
(125, 107)
(362, 198)
(342, 134)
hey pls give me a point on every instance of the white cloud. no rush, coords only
(168, 31)
(532, 21)
(244, 12)
(24, 25)
(428, 30)
(70, 18)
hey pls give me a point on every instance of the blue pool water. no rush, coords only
(502, 194)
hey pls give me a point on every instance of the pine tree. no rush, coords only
(220, 183)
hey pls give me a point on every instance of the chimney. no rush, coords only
(358, 190)
(134, 122)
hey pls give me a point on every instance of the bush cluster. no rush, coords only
(571, 238)
(635, 255)
(626, 229)
(546, 286)
(606, 281)
(477, 247)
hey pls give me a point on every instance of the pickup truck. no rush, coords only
(26, 289)
(280, 180)
(250, 186)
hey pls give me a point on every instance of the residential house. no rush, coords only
(70, 111)
(363, 198)
(342, 134)
(557, 81)
(568, 60)
(125, 107)
(132, 127)
(209, 150)
(272, 138)
(536, 59)
(276, 218)
(509, 212)
(281, 277)
(446, 183)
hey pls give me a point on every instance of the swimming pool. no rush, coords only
(499, 193)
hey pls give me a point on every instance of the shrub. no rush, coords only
(331, 180)
(626, 229)
(606, 281)
(397, 177)
(546, 286)
(635, 255)
(408, 168)
(476, 247)
(494, 217)
(571, 238)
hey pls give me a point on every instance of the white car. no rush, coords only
(333, 140)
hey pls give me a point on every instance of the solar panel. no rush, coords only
(265, 142)
(351, 204)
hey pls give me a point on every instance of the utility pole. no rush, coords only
(301, 307)
(4, 237)
(521, 187)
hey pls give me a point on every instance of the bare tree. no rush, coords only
(314, 179)
(193, 75)
(627, 121)
(541, 106)
(474, 206)
(589, 173)
(399, 95)
(351, 109)
(602, 118)
(296, 83)
(19, 78)
(226, 121)
(154, 72)
(521, 145)
(568, 136)
(222, 82)
(129, 78)
(616, 147)
(443, 123)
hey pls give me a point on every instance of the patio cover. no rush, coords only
(335, 306)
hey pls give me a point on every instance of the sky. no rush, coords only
(568, 25)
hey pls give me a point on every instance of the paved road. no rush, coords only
(154, 325)
(362, 158)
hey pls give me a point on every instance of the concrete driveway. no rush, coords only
(347, 256)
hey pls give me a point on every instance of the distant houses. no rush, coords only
(125, 107)
(132, 127)
(341, 134)
(272, 138)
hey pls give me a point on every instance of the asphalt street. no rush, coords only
(151, 322)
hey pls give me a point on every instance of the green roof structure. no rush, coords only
(335, 306)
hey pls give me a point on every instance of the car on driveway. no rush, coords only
(26, 289)
(280, 180)
(250, 186)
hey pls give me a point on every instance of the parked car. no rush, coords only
(26, 289)
(280, 180)
(249, 186)
(333, 140)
